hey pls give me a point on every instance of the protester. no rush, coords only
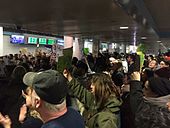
(153, 64)
(102, 103)
(47, 93)
(151, 110)
(164, 63)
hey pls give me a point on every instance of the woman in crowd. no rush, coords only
(102, 103)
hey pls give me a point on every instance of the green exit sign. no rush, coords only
(32, 40)
(42, 41)
(51, 41)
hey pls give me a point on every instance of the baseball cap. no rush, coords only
(50, 85)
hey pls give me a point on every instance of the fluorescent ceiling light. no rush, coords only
(143, 38)
(158, 41)
(124, 27)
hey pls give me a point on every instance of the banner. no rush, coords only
(65, 60)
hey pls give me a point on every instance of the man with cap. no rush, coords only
(46, 93)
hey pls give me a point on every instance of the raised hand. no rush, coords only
(5, 121)
(135, 76)
(23, 112)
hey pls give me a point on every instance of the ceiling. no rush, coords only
(151, 13)
(160, 12)
(100, 19)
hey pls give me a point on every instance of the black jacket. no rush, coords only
(150, 112)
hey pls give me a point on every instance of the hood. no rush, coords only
(113, 104)
(160, 101)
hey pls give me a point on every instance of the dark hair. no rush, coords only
(166, 62)
(151, 56)
(74, 60)
(132, 56)
(17, 76)
(81, 65)
(149, 72)
(104, 87)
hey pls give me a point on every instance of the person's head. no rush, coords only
(74, 61)
(16, 78)
(102, 87)
(153, 64)
(130, 58)
(162, 72)
(168, 106)
(45, 63)
(18, 73)
(1, 59)
(146, 74)
(113, 60)
(118, 65)
(46, 90)
(81, 69)
(125, 88)
(150, 58)
(163, 64)
(156, 87)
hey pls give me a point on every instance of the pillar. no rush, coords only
(1, 41)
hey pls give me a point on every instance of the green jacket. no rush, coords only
(106, 118)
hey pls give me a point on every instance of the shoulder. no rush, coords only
(105, 120)
(101, 116)
(155, 115)
(72, 111)
(32, 122)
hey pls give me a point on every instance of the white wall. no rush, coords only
(1, 41)
(76, 49)
(89, 45)
(9, 48)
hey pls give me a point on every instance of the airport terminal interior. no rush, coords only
(112, 55)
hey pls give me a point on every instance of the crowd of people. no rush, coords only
(96, 92)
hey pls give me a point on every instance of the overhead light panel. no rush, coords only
(143, 38)
(124, 27)
(91, 40)
(159, 41)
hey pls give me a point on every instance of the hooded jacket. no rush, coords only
(95, 118)
(149, 112)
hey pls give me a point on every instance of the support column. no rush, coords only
(77, 48)
(68, 42)
(96, 44)
(1, 41)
